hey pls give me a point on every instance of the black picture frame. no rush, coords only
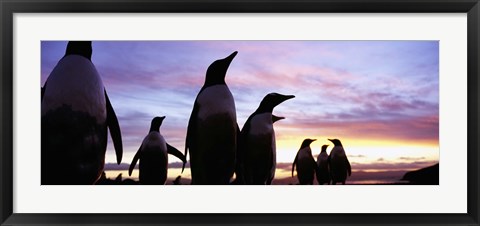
(10, 7)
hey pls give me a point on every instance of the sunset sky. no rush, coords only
(380, 98)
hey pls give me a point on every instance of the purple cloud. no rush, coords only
(362, 89)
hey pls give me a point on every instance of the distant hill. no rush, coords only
(425, 176)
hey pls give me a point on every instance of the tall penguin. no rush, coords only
(323, 171)
(258, 148)
(338, 162)
(153, 156)
(76, 113)
(305, 162)
(212, 129)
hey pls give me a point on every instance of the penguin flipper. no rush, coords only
(349, 167)
(315, 166)
(247, 171)
(43, 91)
(329, 167)
(134, 161)
(191, 140)
(239, 159)
(114, 127)
(294, 163)
(175, 152)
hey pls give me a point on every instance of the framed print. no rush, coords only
(268, 112)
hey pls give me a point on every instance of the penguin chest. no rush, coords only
(305, 160)
(217, 122)
(261, 124)
(74, 130)
(154, 159)
(322, 161)
(323, 173)
(337, 154)
(260, 145)
(216, 101)
(154, 149)
(338, 164)
(76, 85)
(305, 166)
(261, 137)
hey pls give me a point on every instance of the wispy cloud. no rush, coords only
(368, 127)
(385, 165)
(411, 158)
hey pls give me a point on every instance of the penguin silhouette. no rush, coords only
(338, 162)
(257, 142)
(305, 162)
(153, 156)
(212, 129)
(323, 172)
(75, 115)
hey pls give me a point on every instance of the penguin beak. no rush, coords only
(286, 97)
(230, 58)
(224, 64)
(161, 119)
(277, 118)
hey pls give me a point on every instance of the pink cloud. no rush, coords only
(422, 128)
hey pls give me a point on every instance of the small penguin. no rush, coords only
(257, 142)
(305, 162)
(338, 162)
(153, 156)
(75, 115)
(212, 129)
(323, 173)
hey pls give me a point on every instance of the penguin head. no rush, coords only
(324, 148)
(217, 70)
(82, 48)
(276, 118)
(156, 123)
(271, 100)
(307, 142)
(336, 142)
